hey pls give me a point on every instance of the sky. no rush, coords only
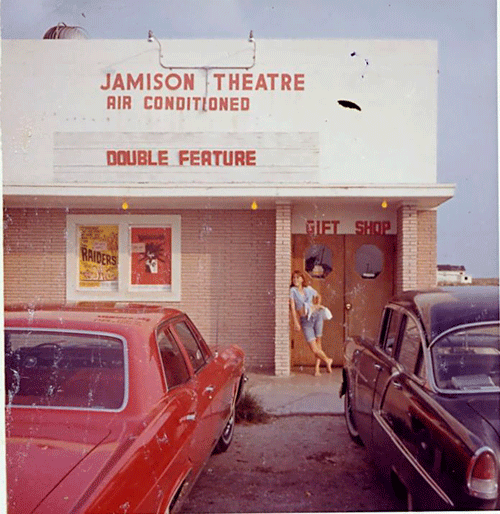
(467, 146)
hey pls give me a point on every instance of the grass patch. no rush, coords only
(250, 410)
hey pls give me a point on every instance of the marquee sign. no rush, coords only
(184, 157)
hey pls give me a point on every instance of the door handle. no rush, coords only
(209, 389)
(377, 366)
(397, 385)
(189, 417)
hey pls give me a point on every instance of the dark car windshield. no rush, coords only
(468, 359)
(64, 369)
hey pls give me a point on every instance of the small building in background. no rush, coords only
(450, 274)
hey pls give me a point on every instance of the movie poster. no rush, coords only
(151, 260)
(98, 257)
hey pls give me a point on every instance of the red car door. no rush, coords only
(158, 461)
(207, 388)
(174, 427)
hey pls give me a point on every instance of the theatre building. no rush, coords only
(199, 174)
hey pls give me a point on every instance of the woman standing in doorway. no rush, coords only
(305, 304)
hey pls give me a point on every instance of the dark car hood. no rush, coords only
(488, 409)
(40, 456)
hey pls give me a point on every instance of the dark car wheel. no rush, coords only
(227, 434)
(349, 420)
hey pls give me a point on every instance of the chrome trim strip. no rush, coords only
(413, 461)
(113, 335)
(456, 328)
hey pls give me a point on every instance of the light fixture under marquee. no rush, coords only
(251, 39)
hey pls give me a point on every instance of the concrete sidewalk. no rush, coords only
(300, 393)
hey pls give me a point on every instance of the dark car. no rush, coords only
(424, 398)
(112, 408)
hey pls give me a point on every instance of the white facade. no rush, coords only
(107, 118)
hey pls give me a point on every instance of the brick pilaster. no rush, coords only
(407, 248)
(427, 249)
(282, 278)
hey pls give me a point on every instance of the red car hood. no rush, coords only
(40, 456)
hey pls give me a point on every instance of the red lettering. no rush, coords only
(273, 77)
(194, 157)
(136, 158)
(286, 81)
(158, 81)
(163, 157)
(299, 82)
(261, 83)
(374, 228)
(251, 157)
(111, 158)
(218, 77)
(206, 158)
(321, 227)
(216, 157)
(173, 81)
(247, 82)
(118, 102)
(239, 158)
(234, 81)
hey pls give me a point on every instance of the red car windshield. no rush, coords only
(468, 359)
(59, 369)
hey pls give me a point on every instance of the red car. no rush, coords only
(112, 408)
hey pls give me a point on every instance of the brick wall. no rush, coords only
(227, 277)
(427, 249)
(228, 283)
(34, 255)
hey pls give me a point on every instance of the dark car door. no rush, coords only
(403, 421)
(374, 365)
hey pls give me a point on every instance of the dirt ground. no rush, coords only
(291, 464)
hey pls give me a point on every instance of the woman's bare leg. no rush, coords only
(320, 354)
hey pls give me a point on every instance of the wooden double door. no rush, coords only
(355, 277)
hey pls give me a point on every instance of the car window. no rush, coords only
(174, 365)
(64, 369)
(195, 350)
(468, 359)
(409, 348)
(392, 331)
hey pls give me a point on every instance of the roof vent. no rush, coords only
(63, 31)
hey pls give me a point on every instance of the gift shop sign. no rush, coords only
(178, 91)
(346, 221)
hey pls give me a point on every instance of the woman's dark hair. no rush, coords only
(304, 279)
